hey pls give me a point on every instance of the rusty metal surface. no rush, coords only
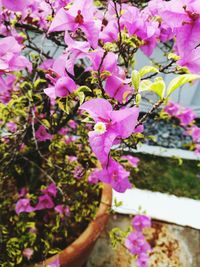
(172, 246)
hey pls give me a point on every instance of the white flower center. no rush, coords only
(100, 128)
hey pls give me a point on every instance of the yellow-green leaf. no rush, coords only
(135, 77)
(180, 81)
(148, 69)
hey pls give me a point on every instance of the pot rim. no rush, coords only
(87, 239)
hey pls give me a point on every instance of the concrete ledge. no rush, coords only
(160, 206)
(166, 152)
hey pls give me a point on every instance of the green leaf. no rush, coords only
(46, 123)
(63, 106)
(81, 96)
(117, 203)
(39, 83)
(158, 87)
(148, 69)
(83, 89)
(138, 99)
(145, 85)
(179, 81)
(135, 77)
(173, 56)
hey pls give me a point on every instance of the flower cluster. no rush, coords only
(186, 117)
(70, 117)
(45, 201)
(135, 241)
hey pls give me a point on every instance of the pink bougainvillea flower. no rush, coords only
(134, 161)
(194, 132)
(109, 62)
(140, 222)
(28, 253)
(187, 46)
(47, 64)
(23, 205)
(78, 172)
(63, 87)
(117, 88)
(186, 116)
(76, 50)
(136, 243)
(10, 58)
(172, 108)
(197, 149)
(12, 127)
(62, 210)
(63, 131)
(16, 5)
(115, 175)
(109, 32)
(45, 202)
(23, 191)
(72, 124)
(54, 263)
(93, 178)
(6, 87)
(142, 260)
(42, 135)
(110, 126)
(79, 16)
(139, 128)
(183, 18)
(51, 190)
(177, 13)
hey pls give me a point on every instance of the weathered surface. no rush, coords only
(173, 246)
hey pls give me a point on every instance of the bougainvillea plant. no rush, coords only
(70, 95)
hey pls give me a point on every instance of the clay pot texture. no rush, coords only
(76, 254)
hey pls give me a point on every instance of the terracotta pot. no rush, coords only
(76, 254)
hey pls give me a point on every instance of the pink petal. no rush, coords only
(98, 108)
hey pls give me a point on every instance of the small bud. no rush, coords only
(135, 77)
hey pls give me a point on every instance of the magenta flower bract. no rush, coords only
(55, 263)
(117, 88)
(134, 161)
(15, 5)
(10, 58)
(12, 127)
(194, 132)
(79, 16)
(45, 202)
(115, 175)
(172, 108)
(62, 210)
(197, 149)
(42, 135)
(93, 178)
(186, 116)
(142, 260)
(110, 125)
(6, 87)
(23, 205)
(136, 243)
(63, 87)
(140, 222)
(51, 190)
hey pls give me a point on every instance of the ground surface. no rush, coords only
(167, 176)
(173, 246)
